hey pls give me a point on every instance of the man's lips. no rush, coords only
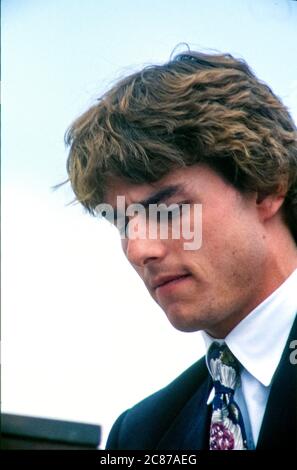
(164, 280)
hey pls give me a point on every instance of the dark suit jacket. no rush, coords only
(178, 418)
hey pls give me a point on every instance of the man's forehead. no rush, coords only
(117, 186)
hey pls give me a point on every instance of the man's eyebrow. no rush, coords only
(160, 196)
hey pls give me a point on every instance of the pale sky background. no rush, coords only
(81, 338)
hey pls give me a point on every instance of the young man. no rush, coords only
(201, 131)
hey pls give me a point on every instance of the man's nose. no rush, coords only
(140, 252)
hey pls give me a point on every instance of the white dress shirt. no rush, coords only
(258, 342)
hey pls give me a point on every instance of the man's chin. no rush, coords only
(185, 323)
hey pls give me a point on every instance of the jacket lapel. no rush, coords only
(279, 427)
(189, 431)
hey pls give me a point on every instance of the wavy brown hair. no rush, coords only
(196, 108)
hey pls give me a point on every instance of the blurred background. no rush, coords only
(81, 338)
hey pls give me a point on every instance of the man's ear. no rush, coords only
(269, 204)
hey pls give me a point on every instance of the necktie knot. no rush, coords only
(224, 368)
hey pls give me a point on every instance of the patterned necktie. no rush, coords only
(227, 428)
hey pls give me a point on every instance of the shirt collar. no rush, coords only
(260, 338)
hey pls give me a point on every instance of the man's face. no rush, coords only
(213, 287)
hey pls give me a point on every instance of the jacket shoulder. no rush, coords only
(142, 426)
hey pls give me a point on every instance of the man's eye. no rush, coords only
(169, 213)
(176, 212)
